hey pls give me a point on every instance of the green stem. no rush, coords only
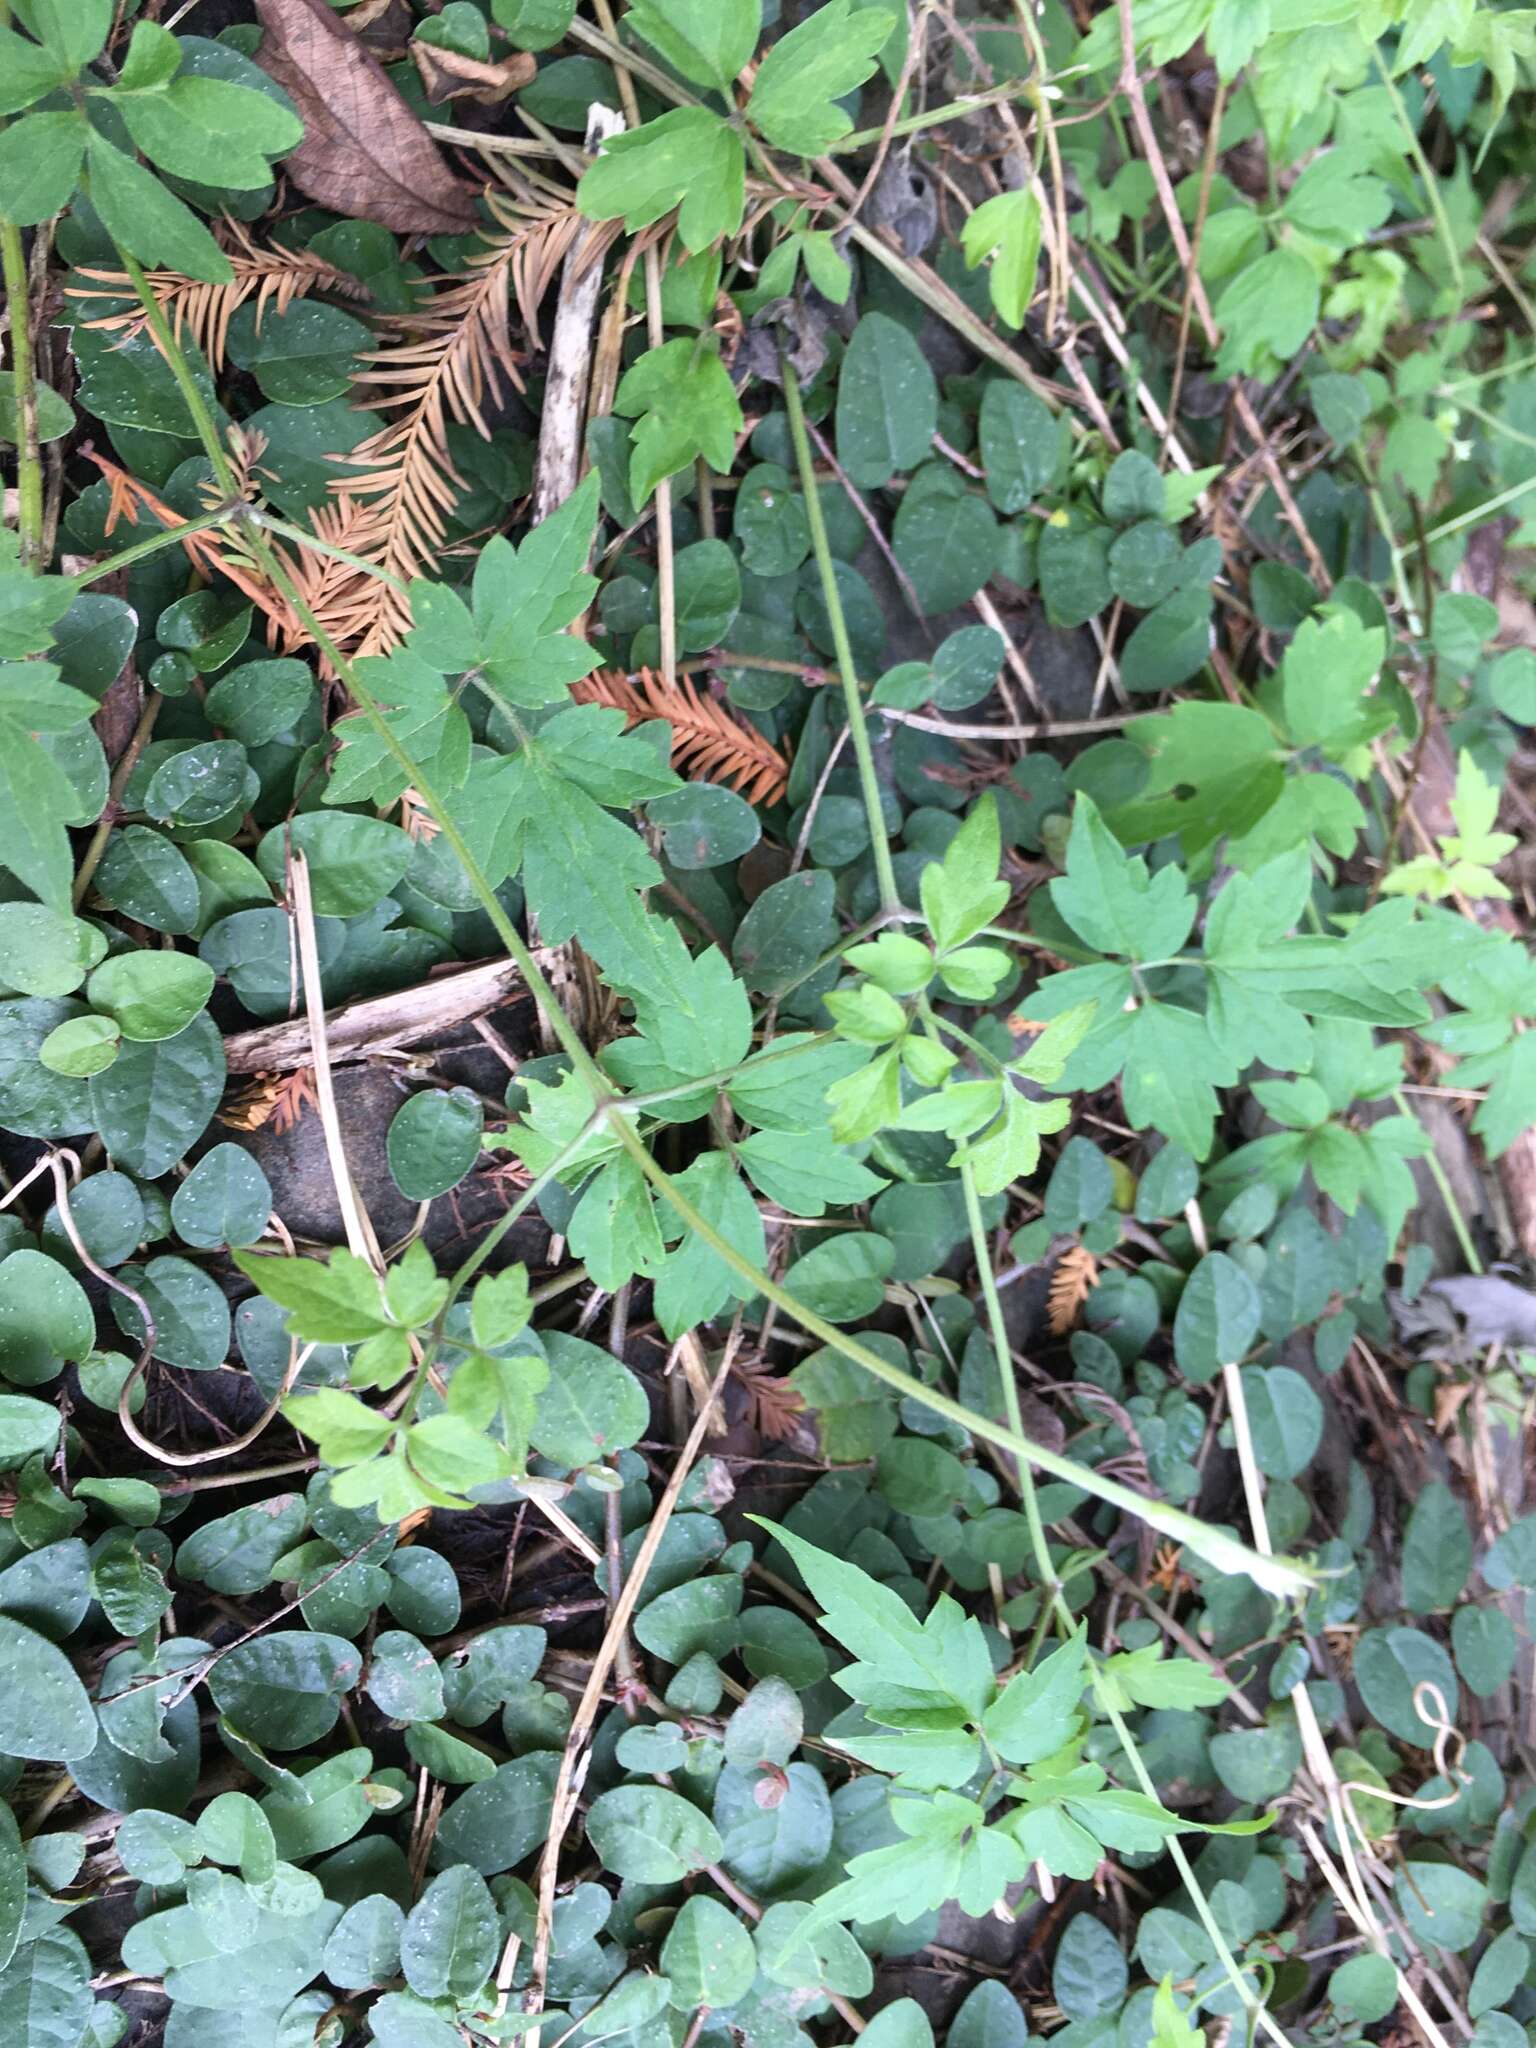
(858, 730)
(1480, 512)
(1441, 1179)
(328, 547)
(170, 537)
(982, 1252)
(935, 117)
(203, 422)
(29, 462)
(1427, 176)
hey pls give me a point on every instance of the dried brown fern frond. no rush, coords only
(446, 363)
(546, 228)
(706, 738)
(272, 277)
(278, 1099)
(343, 600)
(1075, 1277)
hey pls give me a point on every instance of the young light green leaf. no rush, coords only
(809, 69)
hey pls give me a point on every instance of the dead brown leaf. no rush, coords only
(364, 152)
(383, 26)
(450, 75)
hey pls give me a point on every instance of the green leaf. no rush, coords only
(236, 1553)
(1037, 1712)
(989, 2017)
(786, 931)
(766, 1727)
(434, 1140)
(1089, 1975)
(40, 159)
(592, 1407)
(1145, 1678)
(688, 159)
(1512, 685)
(493, 1825)
(1171, 644)
(44, 1711)
(73, 31)
(176, 126)
(1389, 1664)
(81, 1046)
(284, 1689)
(301, 356)
(704, 826)
(353, 861)
(1266, 313)
(1286, 1417)
(709, 1956)
(941, 1659)
(649, 1835)
(45, 1991)
(225, 1200)
(1437, 1551)
(947, 542)
(887, 403)
(13, 1886)
(148, 220)
(156, 1099)
(1021, 444)
(581, 866)
(45, 1319)
(451, 1938)
(698, 1618)
(28, 73)
(55, 415)
(807, 70)
(1364, 1988)
(684, 405)
(708, 41)
(144, 875)
(1485, 1645)
(1500, 1969)
(37, 806)
(192, 1322)
(961, 893)
(336, 1303)
(1110, 900)
(842, 1277)
(805, 1180)
(696, 1283)
(1442, 1904)
(1217, 1318)
(43, 953)
(227, 1951)
(28, 1428)
(363, 1951)
(151, 995)
(1172, 1068)
(1006, 228)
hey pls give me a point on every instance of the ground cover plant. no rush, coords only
(766, 1167)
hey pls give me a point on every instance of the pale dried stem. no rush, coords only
(361, 1240)
(377, 1023)
(566, 380)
